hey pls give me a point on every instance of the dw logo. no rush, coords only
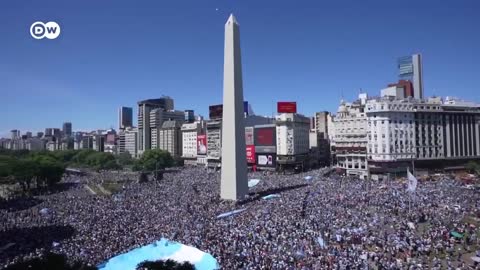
(50, 30)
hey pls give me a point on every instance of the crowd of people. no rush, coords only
(326, 222)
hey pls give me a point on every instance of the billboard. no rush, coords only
(266, 160)
(265, 136)
(286, 107)
(249, 136)
(215, 111)
(251, 154)
(201, 144)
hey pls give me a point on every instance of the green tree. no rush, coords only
(80, 158)
(156, 159)
(24, 171)
(125, 159)
(65, 156)
(165, 265)
(50, 261)
(101, 161)
(6, 165)
(473, 167)
(49, 170)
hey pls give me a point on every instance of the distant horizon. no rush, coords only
(113, 55)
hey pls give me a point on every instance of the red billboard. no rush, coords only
(201, 144)
(251, 154)
(265, 136)
(216, 111)
(286, 107)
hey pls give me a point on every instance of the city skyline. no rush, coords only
(328, 58)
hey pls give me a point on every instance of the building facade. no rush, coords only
(190, 132)
(214, 143)
(170, 137)
(157, 118)
(131, 141)
(430, 133)
(321, 124)
(67, 129)
(293, 140)
(144, 118)
(410, 69)
(125, 117)
(349, 143)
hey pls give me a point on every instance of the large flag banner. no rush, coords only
(412, 182)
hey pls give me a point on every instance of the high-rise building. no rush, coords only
(157, 118)
(40, 134)
(190, 141)
(48, 132)
(99, 142)
(67, 129)
(15, 134)
(125, 117)
(189, 116)
(57, 133)
(214, 143)
(144, 109)
(121, 141)
(170, 137)
(321, 124)
(410, 68)
(131, 141)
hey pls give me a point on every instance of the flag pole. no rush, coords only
(409, 192)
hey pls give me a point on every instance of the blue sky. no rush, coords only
(114, 53)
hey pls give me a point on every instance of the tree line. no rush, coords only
(52, 261)
(45, 168)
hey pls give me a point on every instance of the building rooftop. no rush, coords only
(154, 101)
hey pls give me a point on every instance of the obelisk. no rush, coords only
(234, 184)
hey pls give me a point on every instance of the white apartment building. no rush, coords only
(121, 141)
(190, 132)
(51, 146)
(461, 129)
(157, 118)
(131, 141)
(144, 120)
(214, 143)
(292, 138)
(391, 130)
(349, 138)
(170, 138)
(430, 132)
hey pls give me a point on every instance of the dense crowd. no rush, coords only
(324, 223)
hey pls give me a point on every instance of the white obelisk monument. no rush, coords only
(234, 183)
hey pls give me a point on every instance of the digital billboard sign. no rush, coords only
(266, 160)
(286, 107)
(265, 136)
(249, 136)
(201, 144)
(215, 111)
(251, 154)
